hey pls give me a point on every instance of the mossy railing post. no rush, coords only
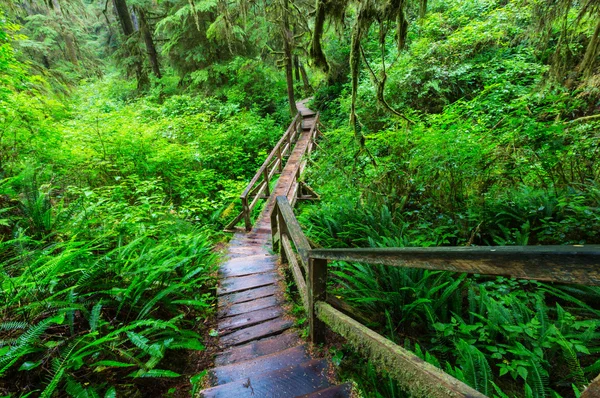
(280, 156)
(246, 210)
(283, 231)
(275, 234)
(266, 177)
(317, 291)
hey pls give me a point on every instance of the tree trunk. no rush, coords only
(150, 48)
(591, 54)
(296, 68)
(402, 29)
(316, 51)
(127, 25)
(422, 9)
(289, 60)
(124, 17)
(307, 87)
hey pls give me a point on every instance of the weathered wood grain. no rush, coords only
(237, 284)
(296, 271)
(258, 348)
(247, 295)
(247, 265)
(293, 227)
(280, 359)
(565, 264)
(248, 306)
(233, 323)
(256, 332)
(282, 383)
(418, 377)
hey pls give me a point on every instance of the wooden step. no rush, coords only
(282, 383)
(258, 348)
(248, 265)
(231, 324)
(241, 283)
(340, 391)
(265, 329)
(247, 295)
(248, 306)
(243, 251)
(266, 363)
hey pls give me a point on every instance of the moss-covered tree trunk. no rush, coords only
(149, 42)
(592, 52)
(316, 51)
(288, 56)
(126, 22)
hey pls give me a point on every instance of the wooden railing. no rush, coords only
(258, 187)
(565, 264)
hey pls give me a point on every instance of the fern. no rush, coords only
(14, 325)
(154, 373)
(24, 342)
(475, 367)
(95, 316)
(537, 380)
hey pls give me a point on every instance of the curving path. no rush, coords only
(262, 356)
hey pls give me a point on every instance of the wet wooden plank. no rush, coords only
(257, 348)
(230, 324)
(247, 295)
(238, 284)
(248, 306)
(340, 391)
(566, 264)
(247, 265)
(282, 359)
(256, 332)
(282, 383)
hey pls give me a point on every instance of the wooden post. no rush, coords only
(280, 156)
(246, 210)
(317, 291)
(266, 177)
(282, 231)
(275, 236)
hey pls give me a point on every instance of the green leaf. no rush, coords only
(153, 373)
(30, 365)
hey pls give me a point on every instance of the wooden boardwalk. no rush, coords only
(262, 356)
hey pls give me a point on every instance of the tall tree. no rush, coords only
(148, 41)
(288, 57)
(131, 48)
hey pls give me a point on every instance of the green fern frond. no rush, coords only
(95, 316)
(13, 325)
(154, 373)
(537, 379)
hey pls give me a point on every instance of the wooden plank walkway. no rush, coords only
(262, 356)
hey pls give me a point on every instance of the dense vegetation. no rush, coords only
(493, 141)
(128, 128)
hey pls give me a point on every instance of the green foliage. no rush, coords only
(109, 216)
(495, 153)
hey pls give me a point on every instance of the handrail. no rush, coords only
(566, 264)
(259, 184)
(273, 160)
